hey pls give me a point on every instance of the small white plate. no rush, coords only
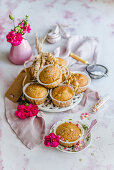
(48, 106)
(71, 149)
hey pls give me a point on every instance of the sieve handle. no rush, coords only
(78, 58)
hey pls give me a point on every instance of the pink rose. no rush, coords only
(25, 28)
(22, 25)
(21, 115)
(33, 109)
(51, 140)
(26, 111)
(21, 107)
(28, 29)
(14, 38)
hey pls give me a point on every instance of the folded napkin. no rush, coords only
(89, 93)
(85, 47)
(30, 130)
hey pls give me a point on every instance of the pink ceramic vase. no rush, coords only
(19, 54)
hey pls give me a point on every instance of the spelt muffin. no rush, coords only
(82, 82)
(61, 62)
(50, 76)
(35, 93)
(62, 95)
(68, 132)
(81, 79)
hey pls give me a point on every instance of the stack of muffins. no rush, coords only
(49, 80)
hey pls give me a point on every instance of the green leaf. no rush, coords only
(26, 104)
(25, 23)
(11, 17)
(27, 16)
(85, 127)
(59, 148)
(17, 28)
(21, 31)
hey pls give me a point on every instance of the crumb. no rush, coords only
(80, 159)
(92, 154)
(91, 147)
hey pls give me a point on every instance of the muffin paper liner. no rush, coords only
(61, 103)
(33, 100)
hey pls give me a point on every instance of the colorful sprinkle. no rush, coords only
(62, 139)
(77, 124)
(79, 145)
(84, 115)
(80, 159)
(100, 103)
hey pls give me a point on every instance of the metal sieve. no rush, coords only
(95, 71)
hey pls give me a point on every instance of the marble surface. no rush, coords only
(85, 17)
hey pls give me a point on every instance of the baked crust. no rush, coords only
(68, 132)
(62, 96)
(81, 79)
(50, 74)
(36, 91)
(62, 93)
(61, 62)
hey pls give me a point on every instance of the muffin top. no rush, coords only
(61, 62)
(68, 132)
(62, 93)
(50, 74)
(81, 79)
(36, 91)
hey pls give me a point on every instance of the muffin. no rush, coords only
(83, 80)
(61, 62)
(35, 93)
(62, 95)
(50, 76)
(69, 133)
